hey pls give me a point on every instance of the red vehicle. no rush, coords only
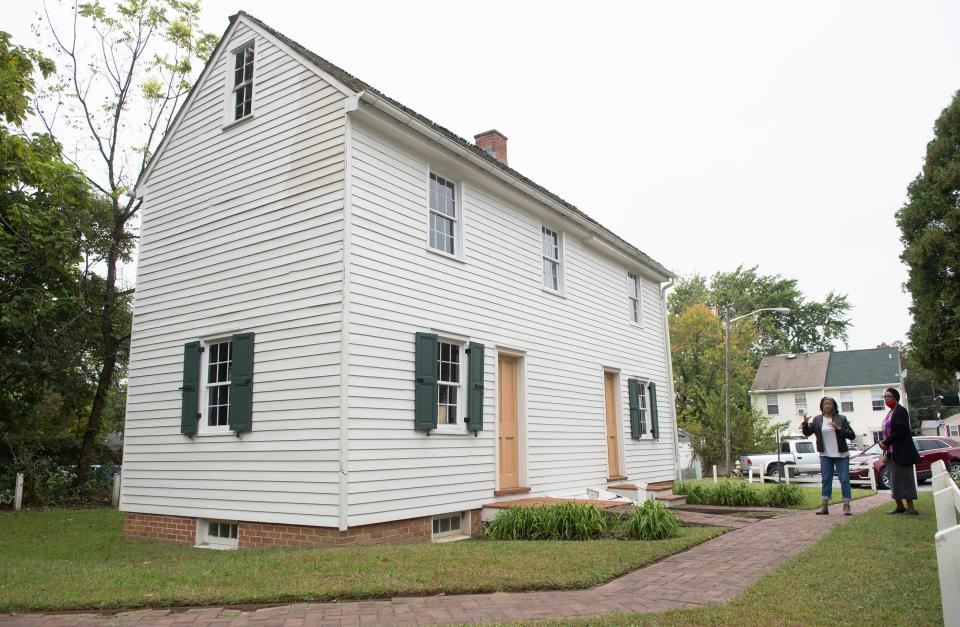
(930, 447)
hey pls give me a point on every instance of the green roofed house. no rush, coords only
(788, 386)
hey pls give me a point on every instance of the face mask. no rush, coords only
(891, 403)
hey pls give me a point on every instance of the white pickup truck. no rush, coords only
(800, 455)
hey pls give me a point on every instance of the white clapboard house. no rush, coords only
(351, 325)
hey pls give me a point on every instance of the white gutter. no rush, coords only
(476, 160)
(673, 394)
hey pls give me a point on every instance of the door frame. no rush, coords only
(618, 425)
(521, 357)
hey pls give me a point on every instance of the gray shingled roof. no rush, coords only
(791, 372)
(871, 366)
(358, 85)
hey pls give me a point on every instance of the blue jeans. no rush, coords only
(842, 465)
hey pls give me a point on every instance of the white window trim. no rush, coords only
(452, 535)
(458, 221)
(561, 246)
(801, 408)
(460, 428)
(206, 541)
(229, 105)
(646, 419)
(846, 397)
(767, 404)
(203, 427)
(639, 298)
(874, 398)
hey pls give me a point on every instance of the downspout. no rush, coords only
(673, 394)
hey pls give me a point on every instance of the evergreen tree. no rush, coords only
(930, 226)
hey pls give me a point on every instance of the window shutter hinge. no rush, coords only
(478, 387)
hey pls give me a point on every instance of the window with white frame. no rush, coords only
(243, 82)
(218, 534)
(449, 526)
(443, 215)
(846, 401)
(551, 259)
(642, 397)
(217, 362)
(633, 296)
(876, 400)
(954, 430)
(773, 405)
(451, 369)
(800, 400)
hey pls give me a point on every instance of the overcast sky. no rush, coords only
(708, 134)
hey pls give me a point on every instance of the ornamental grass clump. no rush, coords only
(726, 493)
(783, 495)
(567, 521)
(650, 521)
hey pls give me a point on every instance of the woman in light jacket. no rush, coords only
(832, 431)
(900, 452)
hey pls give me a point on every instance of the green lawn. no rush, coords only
(874, 570)
(77, 559)
(811, 493)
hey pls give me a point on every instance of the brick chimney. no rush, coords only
(494, 143)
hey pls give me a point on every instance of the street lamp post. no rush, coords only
(727, 321)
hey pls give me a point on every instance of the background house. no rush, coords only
(788, 386)
(352, 325)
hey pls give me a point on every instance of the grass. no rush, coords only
(874, 570)
(62, 559)
(811, 493)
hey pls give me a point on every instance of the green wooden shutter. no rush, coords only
(475, 389)
(425, 387)
(636, 427)
(654, 423)
(190, 392)
(241, 383)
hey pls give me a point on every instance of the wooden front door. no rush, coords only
(610, 404)
(507, 427)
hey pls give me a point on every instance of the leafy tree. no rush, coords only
(809, 327)
(931, 397)
(46, 211)
(126, 69)
(930, 227)
(697, 348)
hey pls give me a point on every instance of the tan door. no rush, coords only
(610, 402)
(507, 427)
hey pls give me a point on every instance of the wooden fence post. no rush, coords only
(18, 492)
(873, 479)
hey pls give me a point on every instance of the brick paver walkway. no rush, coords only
(710, 573)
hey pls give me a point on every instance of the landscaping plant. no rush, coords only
(783, 495)
(567, 521)
(650, 521)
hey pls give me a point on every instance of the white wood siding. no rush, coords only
(242, 231)
(494, 296)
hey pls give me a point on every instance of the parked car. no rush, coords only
(931, 448)
(800, 455)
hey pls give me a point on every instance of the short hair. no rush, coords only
(836, 405)
(894, 393)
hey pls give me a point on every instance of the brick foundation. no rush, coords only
(180, 530)
(166, 529)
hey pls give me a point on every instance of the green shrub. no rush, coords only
(650, 521)
(726, 493)
(783, 495)
(567, 521)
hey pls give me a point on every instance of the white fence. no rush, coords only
(946, 498)
(815, 478)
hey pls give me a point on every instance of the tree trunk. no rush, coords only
(110, 347)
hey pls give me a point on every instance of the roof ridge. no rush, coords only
(360, 85)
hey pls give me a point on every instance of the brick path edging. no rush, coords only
(703, 575)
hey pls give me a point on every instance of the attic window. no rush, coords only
(243, 82)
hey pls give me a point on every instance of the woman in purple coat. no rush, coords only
(900, 452)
